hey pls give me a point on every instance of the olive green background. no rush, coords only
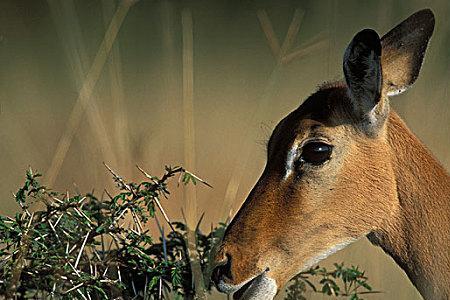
(135, 114)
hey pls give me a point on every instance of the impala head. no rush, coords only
(328, 180)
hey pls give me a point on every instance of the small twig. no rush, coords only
(23, 207)
(120, 180)
(147, 175)
(134, 287)
(106, 271)
(82, 214)
(57, 200)
(146, 286)
(91, 267)
(198, 178)
(81, 250)
(73, 288)
(83, 198)
(57, 221)
(120, 215)
(74, 269)
(118, 273)
(54, 230)
(137, 222)
(107, 193)
(163, 213)
(160, 288)
(73, 248)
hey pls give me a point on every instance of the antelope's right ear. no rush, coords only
(403, 50)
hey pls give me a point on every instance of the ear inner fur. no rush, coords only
(403, 51)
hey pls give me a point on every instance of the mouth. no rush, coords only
(241, 291)
(260, 287)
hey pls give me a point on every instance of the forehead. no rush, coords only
(325, 108)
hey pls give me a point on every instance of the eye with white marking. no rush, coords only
(315, 153)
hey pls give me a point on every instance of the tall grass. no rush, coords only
(85, 102)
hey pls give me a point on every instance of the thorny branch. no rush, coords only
(81, 247)
(62, 249)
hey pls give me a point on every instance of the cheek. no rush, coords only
(309, 244)
(365, 189)
(316, 186)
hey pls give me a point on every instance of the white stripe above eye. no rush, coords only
(290, 160)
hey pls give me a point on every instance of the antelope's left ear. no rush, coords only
(362, 70)
(403, 50)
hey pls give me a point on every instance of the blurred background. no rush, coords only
(196, 83)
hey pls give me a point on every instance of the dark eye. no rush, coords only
(316, 153)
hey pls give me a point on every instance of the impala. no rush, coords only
(342, 166)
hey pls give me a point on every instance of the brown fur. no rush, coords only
(401, 196)
(380, 181)
(418, 237)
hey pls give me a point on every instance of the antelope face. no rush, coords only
(328, 180)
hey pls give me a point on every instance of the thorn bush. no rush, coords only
(84, 247)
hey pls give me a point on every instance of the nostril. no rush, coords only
(223, 269)
(225, 259)
(226, 267)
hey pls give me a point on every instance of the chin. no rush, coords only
(261, 287)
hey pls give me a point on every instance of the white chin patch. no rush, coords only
(229, 288)
(262, 288)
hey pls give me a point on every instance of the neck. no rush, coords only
(418, 237)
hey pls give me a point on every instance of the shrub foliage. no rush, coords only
(65, 246)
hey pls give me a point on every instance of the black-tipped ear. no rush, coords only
(404, 49)
(362, 70)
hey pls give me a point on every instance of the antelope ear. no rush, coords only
(362, 70)
(403, 49)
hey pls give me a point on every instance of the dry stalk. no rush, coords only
(267, 28)
(86, 90)
(20, 260)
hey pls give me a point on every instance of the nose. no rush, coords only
(223, 270)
